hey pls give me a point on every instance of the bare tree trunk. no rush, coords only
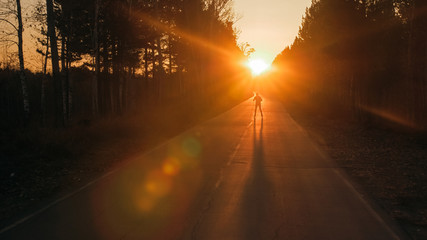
(160, 71)
(25, 97)
(105, 98)
(70, 86)
(121, 72)
(423, 65)
(145, 96)
(153, 84)
(146, 64)
(55, 64)
(44, 82)
(410, 70)
(64, 81)
(170, 54)
(114, 79)
(121, 96)
(127, 75)
(424, 120)
(121, 77)
(95, 80)
(418, 59)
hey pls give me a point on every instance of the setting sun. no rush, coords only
(258, 66)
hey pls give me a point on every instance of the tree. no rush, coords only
(417, 57)
(59, 112)
(95, 80)
(366, 57)
(25, 96)
(8, 9)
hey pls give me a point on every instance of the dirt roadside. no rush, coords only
(390, 166)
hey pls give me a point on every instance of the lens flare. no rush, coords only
(171, 166)
(191, 147)
(257, 66)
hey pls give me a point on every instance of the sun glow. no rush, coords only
(257, 66)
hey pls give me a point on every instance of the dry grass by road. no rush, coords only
(390, 166)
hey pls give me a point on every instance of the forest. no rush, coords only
(145, 81)
(114, 57)
(363, 59)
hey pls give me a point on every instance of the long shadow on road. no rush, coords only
(255, 205)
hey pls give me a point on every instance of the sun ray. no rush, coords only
(258, 66)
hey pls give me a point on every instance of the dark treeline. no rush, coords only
(363, 58)
(109, 57)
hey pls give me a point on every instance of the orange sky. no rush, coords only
(33, 60)
(269, 25)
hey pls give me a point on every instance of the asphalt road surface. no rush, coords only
(232, 177)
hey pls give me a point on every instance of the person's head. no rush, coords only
(256, 94)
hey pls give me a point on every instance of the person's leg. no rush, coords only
(256, 106)
(260, 109)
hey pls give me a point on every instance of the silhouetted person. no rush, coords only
(258, 101)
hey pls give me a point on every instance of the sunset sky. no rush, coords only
(269, 25)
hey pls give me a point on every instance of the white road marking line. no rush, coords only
(232, 156)
(24, 219)
(38, 212)
(367, 206)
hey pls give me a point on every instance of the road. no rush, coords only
(232, 177)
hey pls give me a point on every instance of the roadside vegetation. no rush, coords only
(355, 77)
